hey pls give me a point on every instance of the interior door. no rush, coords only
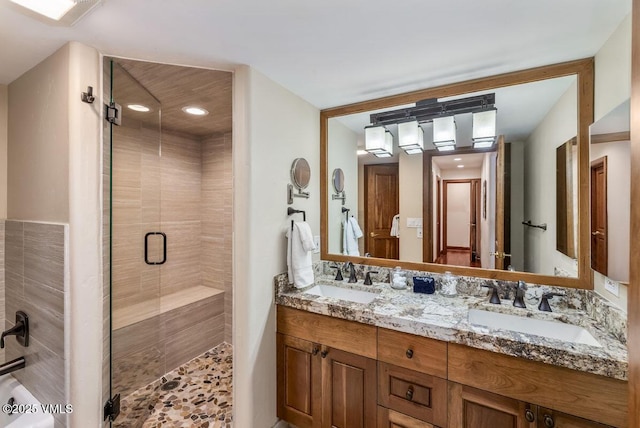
(137, 245)
(457, 215)
(599, 241)
(438, 218)
(382, 203)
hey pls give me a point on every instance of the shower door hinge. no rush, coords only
(113, 113)
(112, 408)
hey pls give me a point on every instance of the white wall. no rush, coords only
(410, 184)
(434, 179)
(266, 140)
(613, 87)
(343, 144)
(517, 206)
(558, 126)
(461, 173)
(4, 116)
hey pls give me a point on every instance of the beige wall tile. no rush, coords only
(194, 341)
(44, 254)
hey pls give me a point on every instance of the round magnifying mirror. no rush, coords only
(338, 180)
(300, 173)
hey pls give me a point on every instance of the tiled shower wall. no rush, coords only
(217, 197)
(35, 283)
(2, 288)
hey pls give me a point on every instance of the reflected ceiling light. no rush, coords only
(460, 166)
(410, 137)
(196, 111)
(378, 141)
(444, 132)
(139, 107)
(362, 152)
(66, 12)
(457, 159)
(484, 128)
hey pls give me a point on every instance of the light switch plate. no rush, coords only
(419, 233)
(612, 287)
(316, 242)
(414, 222)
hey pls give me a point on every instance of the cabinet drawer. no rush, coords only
(350, 336)
(413, 352)
(391, 419)
(415, 394)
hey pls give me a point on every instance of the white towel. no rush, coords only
(299, 250)
(350, 233)
(395, 226)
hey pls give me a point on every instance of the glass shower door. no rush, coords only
(137, 244)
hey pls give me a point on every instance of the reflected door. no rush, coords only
(599, 215)
(137, 245)
(382, 203)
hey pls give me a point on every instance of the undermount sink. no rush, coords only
(349, 294)
(550, 329)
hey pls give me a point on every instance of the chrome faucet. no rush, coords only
(352, 272)
(518, 301)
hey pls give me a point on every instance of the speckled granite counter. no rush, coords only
(446, 318)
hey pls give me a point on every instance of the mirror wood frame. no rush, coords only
(583, 69)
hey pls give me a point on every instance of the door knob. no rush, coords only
(373, 235)
(596, 233)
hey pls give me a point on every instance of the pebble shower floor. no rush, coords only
(201, 399)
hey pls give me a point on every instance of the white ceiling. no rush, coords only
(469, 161)
(330, 52)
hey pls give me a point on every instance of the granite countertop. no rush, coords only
(446, 318)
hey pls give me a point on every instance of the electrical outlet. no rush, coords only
(419, 233)
(316, 242)
(612, 287)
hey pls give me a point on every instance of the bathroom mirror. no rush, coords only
(610, 173)
(300, 173)
(498, 188)
(338, 180)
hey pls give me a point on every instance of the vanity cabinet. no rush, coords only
(548, 418)
(388, 418)
(325, 375)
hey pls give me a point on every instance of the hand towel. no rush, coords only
(395, 226)
(350, 233)
(299, 249)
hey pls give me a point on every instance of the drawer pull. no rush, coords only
(529, 416)
(315, 351)
(549, 422)
(409, 394)
(409, 353)
(324, 353)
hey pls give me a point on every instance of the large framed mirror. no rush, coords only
(486, 208)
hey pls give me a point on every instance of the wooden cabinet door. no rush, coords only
(552, 419)
(299, 381)
(474, 408)
(348, 390)
(388, 418)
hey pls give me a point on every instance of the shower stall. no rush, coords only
(168, 247)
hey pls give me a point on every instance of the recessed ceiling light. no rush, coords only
(196, 111)
(51, 9)
(457, 159)
(139, 107)
(460, 166)
(362, 152)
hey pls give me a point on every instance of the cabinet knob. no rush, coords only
(324, 353)
(549, 422)
(315, 351)
(529, 415)
(409, 393)
(409, 353)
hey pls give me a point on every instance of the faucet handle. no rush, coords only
(495, 298)
(367, 277)
(338, 273)
(544, 300)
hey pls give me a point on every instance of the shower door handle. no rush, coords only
(146, 248)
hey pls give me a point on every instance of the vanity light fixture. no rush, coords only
(410, 137)
(444, 133)
(484, 128)
(139, 108)
(196, 111)
(66, 12)
(362, 152)
(378, 141)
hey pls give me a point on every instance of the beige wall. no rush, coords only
(488, 224)
(558, 126)
(4, 116)
(613, 87)
(410, 184)
(517, 206)
(265, 144)
(38, 144)
(343, 144)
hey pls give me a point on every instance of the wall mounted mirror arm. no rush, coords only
(418, 182)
